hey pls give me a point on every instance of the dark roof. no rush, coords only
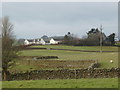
(36, 40)
(21, 40)
(30, 40)
(58, 38)
(46, 39)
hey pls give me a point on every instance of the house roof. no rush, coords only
(21, 40)
(46, 39)
(30, 40)
(58, 38)
(36, 40)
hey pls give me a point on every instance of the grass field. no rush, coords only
(67, 83)
(88, 48)
(51, 64)
(102, 58)
(0, 85)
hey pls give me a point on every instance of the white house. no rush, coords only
(44, 41)
(38, 41)
(52, 41)
(29, 41)
(26, 42)
(56, 39)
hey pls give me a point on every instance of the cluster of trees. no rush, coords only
(94, 38)
(70, 39)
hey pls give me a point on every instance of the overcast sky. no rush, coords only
(33, 20)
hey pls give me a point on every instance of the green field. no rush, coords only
(88, 48)
(67, 83)
(0, 85)
(102, 58)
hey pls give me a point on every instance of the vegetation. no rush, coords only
(95, 37)
(64, 55)
(110, 39)
(70, 39)
(103, 58)
(24, 65)
(86, 48)
(0, 85)
(9, 52)
(68, 83)
(117, 43)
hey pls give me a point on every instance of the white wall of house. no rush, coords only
(26, 42)
(42, 42)
(52, 41)
(34, 41)
(38, 41)
(30, 42)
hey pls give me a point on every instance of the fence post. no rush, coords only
(75, 73)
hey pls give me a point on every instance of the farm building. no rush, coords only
(44, 40)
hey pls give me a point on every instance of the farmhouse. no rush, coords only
(56, 39)
(27, 42)
(44, 40)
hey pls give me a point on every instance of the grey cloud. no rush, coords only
(36, 19)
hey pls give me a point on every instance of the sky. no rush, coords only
(35, 19)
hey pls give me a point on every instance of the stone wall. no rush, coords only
(67, 74)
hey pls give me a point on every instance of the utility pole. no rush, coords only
(101, 28)
(101, 37)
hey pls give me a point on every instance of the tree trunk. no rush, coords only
(6, 75)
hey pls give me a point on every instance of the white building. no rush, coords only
(43, 41)
(52, 41)
(26, 42)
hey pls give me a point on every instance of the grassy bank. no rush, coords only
(70, 83)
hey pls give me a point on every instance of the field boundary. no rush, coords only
(66, 74)
(29, 48)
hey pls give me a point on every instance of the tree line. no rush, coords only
(94, 38)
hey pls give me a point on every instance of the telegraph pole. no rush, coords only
(101, 37)
(101, 28)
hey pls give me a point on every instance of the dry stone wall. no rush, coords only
(67, 74)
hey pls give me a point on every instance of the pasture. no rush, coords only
(64, 58)
(0, 85)
(67, 83)
(63, 55)
(88, 48)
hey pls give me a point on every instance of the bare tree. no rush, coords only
(9, 52)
